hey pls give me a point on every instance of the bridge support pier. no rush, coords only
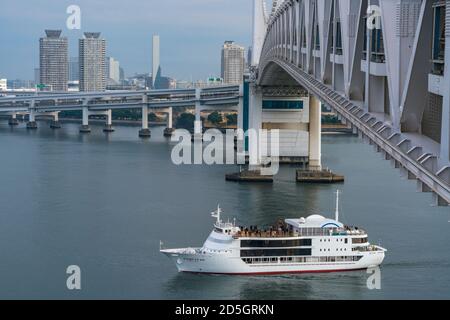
(315, 127)
(13, 120)
(145, 131)
(422, 187)
(31, 124)
(439, 201)
(85, 125)
(198, 130)
(55, 124)
(168, 131)
(108, 126)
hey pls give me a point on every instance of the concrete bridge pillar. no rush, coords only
(445, 134)
(144, 132)
(198, 130)
(255, 124)
(169, 129)
(55, 124)
(240, 114)
(108, 126)
(13, 120)
(315, 127)
(240, 135)
(85, 122)
(32, 117)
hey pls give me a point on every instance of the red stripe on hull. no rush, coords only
(275, 272)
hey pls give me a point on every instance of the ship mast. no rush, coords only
(216, 214)
(337, 206)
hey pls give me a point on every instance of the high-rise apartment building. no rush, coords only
(74, 69)
(233, 62)
(37, 76)
(92, 59)
(53, 61)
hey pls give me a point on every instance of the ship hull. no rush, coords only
(229, 265)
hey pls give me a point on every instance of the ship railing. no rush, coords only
(300, 259)
(304, 232)
(370, 248)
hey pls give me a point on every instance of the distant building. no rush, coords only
(19, 84)
(233, 62)
(37, 75)
(121, 74)
(3, 85)
(156, 67)
(74, 69)
(112, 71)
(249, 56)
(53, 61)
(92, 55)
(140, 81)
(183, 84)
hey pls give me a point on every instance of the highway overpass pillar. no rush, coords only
(31, 124)
(145, 131)
(240, 114)
(198, 130)
(13, 120)
(55, 124)
(255, 125)
(108, 126)
(169, 129)
(85, 124)
(315, 127)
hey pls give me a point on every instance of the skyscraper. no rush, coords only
(233, 62)
(53, 56)
(92, 51)
(121, 74)
(37, 76)
(74, 69)
(249, 56)
(156, 67)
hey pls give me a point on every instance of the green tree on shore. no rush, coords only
(215, 117)
(186, 121)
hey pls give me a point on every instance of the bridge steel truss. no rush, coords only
(301, 40)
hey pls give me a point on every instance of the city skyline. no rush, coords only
(184, 56)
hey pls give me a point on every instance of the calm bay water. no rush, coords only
(104, 202)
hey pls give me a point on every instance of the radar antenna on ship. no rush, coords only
(216, 214)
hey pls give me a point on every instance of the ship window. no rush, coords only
(346, 240)
(275, 252)
(359, 240)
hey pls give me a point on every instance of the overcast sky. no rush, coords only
(192, 32)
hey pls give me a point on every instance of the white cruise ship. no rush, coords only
(305, 245)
